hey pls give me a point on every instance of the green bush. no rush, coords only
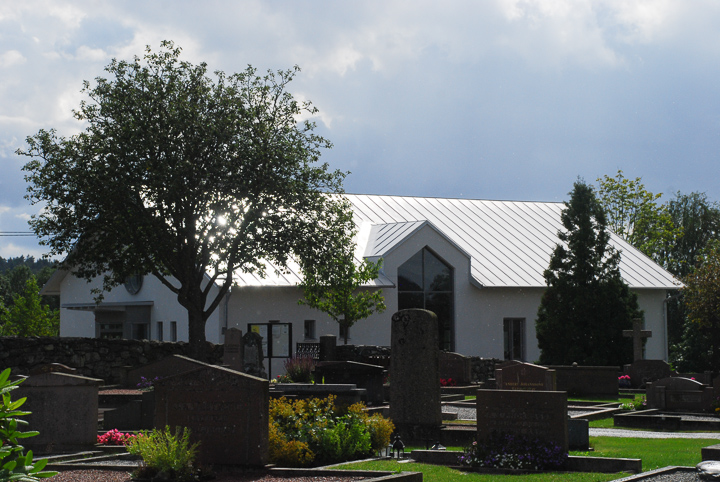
(14, 464)
(314, 432)
(167, 453)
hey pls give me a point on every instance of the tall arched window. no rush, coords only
(425, 281)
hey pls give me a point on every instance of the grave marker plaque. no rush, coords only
(525, 376)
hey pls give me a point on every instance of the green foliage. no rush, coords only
(28, 316)
(633, 213)
(313, 432)
(165, 452)
(637, 403)
(332, 280)
(179, 174)
(698, 219)
(14, 464)
(702, 298)
(14, 275)
(586, 304)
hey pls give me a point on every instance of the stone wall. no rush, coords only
(482, 368)
(92, 357)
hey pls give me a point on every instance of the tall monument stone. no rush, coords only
(415, 375)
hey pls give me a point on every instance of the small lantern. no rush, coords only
(398, 447)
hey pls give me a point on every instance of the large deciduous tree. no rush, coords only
(702, 298)
(185, 176)
(633, 213)
(586, 305)
(335, 286)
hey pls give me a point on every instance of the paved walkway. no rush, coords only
(466, 413)
(616, 432)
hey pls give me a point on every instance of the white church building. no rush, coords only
(477, 264)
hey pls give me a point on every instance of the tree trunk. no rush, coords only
(196, 334)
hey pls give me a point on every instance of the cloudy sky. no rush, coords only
(491, 99)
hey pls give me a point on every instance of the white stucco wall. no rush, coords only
(165, 308)
(652, 303)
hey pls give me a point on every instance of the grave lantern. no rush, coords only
(398, 447)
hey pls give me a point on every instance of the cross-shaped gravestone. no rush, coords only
(638, 335)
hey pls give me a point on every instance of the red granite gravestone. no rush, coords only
(226, 411)
(529, 413)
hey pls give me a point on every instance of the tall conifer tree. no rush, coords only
(587, 304)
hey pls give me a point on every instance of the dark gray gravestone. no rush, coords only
(328, 346)
(529, 413)
(64, 409)
(414, 375)
(525, 376)
(233, 349)
(638, 335)
(363, 375)
(677, 393)
(586, 381)
(226, 411)
(456, 367)
(644, 371)
(253, 355)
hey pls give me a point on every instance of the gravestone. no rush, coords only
(226, 411)
(677, 393)
(525, 376)
(638, 335)
(586, 380)
(253, 355)
(328, 347)
(64, 410)
(168, 366)
(531, 414)
(456, 367)
(363, 375)
(233, 349)
(644, 371)
(414, 375)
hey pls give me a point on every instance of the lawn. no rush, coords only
(655, 453)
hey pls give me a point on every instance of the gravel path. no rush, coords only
(115, 476)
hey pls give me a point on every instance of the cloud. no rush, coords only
(10, 58)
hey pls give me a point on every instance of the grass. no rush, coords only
(655, 453)
(438, 473)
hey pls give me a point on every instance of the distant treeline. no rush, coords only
(36, 266)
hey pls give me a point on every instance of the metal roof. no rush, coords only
(509, 242)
